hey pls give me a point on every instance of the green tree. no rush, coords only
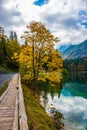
(2, 49)
(12, 47)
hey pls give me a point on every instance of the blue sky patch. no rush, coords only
(83, 17)
(41, 2)
(84, 24)
(82, 12)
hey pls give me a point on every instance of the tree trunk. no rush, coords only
(34, 69)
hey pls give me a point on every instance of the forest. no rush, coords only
(8, 46)
(76, 65)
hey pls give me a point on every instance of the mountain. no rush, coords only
(64, 47)
(74, 51)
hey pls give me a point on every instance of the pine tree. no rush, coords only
(15, 36)
(11, 37)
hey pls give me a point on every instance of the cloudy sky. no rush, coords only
(66, 19)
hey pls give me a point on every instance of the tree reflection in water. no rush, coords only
(74, 94)
(57, 116)
(58, 119)
(79, 77)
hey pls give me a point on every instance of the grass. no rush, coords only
(2, 89)
(37, 117)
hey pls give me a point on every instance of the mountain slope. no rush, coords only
(75, 51)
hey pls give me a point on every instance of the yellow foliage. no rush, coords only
(39, 58)
(54, 77)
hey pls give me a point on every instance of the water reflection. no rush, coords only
(72, 102)
(45, 89)
(74, 109)
(80, 77)
(75, 89)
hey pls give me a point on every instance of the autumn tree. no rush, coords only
(38, 58)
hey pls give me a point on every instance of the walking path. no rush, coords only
(10, 107)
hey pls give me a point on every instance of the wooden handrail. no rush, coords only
(22, 113)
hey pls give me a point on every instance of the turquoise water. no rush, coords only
(72, 103)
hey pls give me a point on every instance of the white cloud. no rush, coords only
(74, 109)
(61, 17)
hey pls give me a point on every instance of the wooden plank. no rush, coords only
(6, 115)
(8, 124)
(4, 120)
(16, 116)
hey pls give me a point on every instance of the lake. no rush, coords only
(71, 101)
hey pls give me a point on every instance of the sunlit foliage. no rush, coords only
(38, 58)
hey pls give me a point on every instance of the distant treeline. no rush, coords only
(7, 49)
(75, 65)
